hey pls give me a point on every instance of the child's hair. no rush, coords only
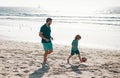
(77, 37)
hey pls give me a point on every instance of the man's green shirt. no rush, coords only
(46, 33)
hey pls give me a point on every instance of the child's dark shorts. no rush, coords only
(75, 52)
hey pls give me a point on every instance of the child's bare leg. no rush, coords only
(69, 58)
(79, 57)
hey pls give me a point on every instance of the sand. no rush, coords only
(24, 60)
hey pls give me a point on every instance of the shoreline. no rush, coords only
(23, 60)
(58, 44)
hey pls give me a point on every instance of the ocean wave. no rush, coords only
(38, 14)
(22, 11)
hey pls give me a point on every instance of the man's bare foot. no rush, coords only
(44, 63)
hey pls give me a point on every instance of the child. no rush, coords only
(74, 49)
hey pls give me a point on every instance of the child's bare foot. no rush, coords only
(81, 61)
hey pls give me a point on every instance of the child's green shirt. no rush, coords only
(75, 45)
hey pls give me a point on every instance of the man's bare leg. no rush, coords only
(45, 57)
(46, 54)
(50, 51)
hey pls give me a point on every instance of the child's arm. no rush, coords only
(73, 44)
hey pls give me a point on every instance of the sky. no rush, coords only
(63, 6)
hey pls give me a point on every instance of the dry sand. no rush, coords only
(23, 60)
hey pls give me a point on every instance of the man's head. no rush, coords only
(48, 21)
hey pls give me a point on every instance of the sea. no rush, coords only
(98, 30)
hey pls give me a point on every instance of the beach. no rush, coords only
(24, 60)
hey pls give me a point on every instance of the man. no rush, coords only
(45, 34)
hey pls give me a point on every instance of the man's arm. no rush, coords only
(51, 38)
(41, 35)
